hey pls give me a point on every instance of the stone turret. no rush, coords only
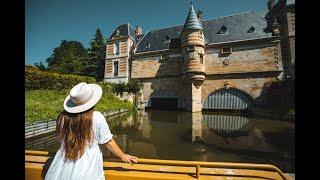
(192, 43)
(193, 70)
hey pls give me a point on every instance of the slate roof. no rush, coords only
(237, 25)
(138, 37)
(124, 30)
(289, 2)
(192, 21)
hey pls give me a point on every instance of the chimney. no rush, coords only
(138, 31)
(270, 4)
(200, 15)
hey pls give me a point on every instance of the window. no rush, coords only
(167, 39)
(223, 30)
(226, 50)
(251, 30)
(116, 48)
(147, 46)
(200, 34)
(201, 58)
(115, 68)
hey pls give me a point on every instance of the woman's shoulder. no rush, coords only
(98, 115)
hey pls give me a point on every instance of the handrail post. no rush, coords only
(198, 171)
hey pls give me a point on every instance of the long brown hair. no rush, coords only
(75, 131)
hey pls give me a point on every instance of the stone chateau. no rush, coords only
(221, 63)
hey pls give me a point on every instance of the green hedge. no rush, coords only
(36, 79)
(44, 105)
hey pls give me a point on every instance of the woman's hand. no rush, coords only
(129, 159)
(115, 149)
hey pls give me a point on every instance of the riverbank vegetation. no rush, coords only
(42, 105)
(45, 93)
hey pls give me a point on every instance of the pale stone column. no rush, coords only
(196, 98)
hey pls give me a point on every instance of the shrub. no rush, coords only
(134, 86)
(36, 79)
(44, 105)
(120, 88)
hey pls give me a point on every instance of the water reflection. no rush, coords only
(197, 136)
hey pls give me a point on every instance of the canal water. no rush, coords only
(196, 136)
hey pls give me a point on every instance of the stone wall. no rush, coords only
(251, 67)
(173, 85)
(253, 86)
(126, 96)
(246, 58)
(156, 66)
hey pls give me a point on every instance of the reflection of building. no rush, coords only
(196, 126)
(226, 125)
(234, 132)
(182, 66)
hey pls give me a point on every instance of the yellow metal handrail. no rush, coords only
(196, 164)
(36, 153)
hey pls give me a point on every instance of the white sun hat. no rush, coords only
(82, 97)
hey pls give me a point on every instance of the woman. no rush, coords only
(80, 130)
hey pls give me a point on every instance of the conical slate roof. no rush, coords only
(192, 21)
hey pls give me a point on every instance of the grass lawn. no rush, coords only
(42, 105)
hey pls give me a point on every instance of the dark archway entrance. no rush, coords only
(164, 103)
(164, 100)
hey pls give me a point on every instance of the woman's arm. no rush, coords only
(115, 149)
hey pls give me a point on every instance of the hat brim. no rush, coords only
(70, 107)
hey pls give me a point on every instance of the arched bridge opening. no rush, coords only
(228, 100)
(165, 100)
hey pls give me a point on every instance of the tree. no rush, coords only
(70, 57)
(40, 66)
(134, 86)
(97, 53)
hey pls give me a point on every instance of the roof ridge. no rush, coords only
(248, 12)
(212, 19)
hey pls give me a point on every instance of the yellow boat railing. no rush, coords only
(196, 164)
(36, 153)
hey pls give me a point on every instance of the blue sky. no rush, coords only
(48, 22)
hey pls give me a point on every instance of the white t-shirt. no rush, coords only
(90, 165)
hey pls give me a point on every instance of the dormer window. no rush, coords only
(167, 39)
(223, 30)
(147, 46)
(118, 32)
(251, 30)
